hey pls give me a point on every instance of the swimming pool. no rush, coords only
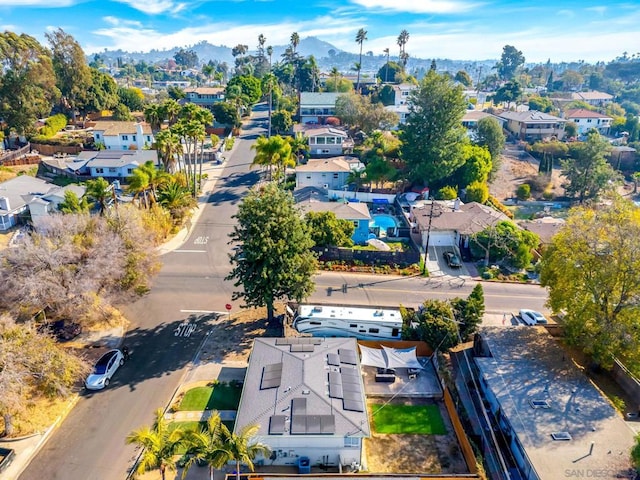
(383, 221)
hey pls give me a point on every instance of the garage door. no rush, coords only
(441, 239)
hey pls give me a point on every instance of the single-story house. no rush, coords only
(555, 422)
(307, 397)
(111, 164)
(316, 107)
(327, 173)
(471, 118)
(117, 135)
(533, 125)
(595, 98)
(452, 223)
(326, 141)
(25, 194)
(311, 199)
(545, 227)
(587, 119)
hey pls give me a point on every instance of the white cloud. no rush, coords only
(600, 10)
(119, 22)
(155, 7)
(418, 6)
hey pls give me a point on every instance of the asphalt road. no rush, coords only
(90, 443)
(188, 289)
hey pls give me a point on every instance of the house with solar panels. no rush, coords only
(307, 396)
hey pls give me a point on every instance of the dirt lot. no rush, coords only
(415, 453)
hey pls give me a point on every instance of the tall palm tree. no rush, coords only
(205, 446)
(139, 185)
(155, 178)
(335, 73)
(207, 70)
(295, 41)
(361, 36)
(171, 110)
(169, 147)
(176, 197)
(386, 69)
(273, 152)
(261, 41)
(299, 145)
(159, 444)
(269, 82)
(154, 116)
(270, 53)
(99, 192)
(241, 448)
(403, 38)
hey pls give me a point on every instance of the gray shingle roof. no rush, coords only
(318, 99)
(470, 218)
(305, 376)
(342, 211)
(117, 158)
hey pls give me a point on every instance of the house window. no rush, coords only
(374, 330)
(99, 170)
(331, 140)
(339, 140)
(351, 442)
(335, 175)
(125, 137)
(312, 141)
(149, 138)
(97, 136)
(129, 171)
(355, 224)
(133, 138)
(112, 170)
(588, 120)
(308, 177)
(320, 140)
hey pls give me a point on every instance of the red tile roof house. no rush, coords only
(587, 119)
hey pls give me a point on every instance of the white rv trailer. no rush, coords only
(345, 321)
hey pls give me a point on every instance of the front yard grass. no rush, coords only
(212, 397)
(407, 419)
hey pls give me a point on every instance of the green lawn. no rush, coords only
(219, 397)
(414, 419)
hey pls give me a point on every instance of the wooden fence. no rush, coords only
(368, 257)
(11, 155)
(463, 441)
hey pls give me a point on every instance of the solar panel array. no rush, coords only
(299, 341)
(333, 359)
(271, 376)
(276, 424)
(302, 348)
(346, 383)
(301, 423)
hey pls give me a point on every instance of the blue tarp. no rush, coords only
(353, 200)
(380, 201)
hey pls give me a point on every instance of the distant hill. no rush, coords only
(327, 56)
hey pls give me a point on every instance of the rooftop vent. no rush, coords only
(306, 392)
(539, 404)
(566, 436)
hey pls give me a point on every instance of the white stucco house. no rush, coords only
(325, 140)
(24, 195)
(315, 107)
(117, 135)
(327, 173)
(533, 125)
(588, 119)
(111, 164)
(307, 396)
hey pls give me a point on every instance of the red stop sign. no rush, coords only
(228, 306)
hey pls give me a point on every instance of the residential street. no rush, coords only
(191, 288)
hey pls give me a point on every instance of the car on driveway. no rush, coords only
(531, 317)
(452, 259)
(104, 369)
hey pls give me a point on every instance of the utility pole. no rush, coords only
(426, 248)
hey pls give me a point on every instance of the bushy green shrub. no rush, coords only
(447, 193)
(523, 192)
(477, 192)
(497, 204)
(53, 125)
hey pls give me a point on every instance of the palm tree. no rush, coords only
(386, 69)
(335, 73)
(361, 36)
(273, 152)
(295, 41)
(99, 191)
(205, 446)
(403, 38)
(171, 110)
(168, 146)
(299, 145)
(159, 444)
(261, 41)
(240, 447)
(270, 53)
(155, 178)
(154, 116)
(139, 185)
(269, 82)
(207, 70)
(176, 197)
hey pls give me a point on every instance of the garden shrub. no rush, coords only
(53, 125)
(447, 193)
(523, 192)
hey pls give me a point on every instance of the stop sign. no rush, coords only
(228, 306)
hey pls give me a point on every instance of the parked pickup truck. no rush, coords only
(6, 457)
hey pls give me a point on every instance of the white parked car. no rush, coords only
(531, 317)
(104, 370)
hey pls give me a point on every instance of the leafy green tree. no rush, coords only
(132, 97)
(469, 312)
(591, 272)
(186, 58)
(587, 171)
(509, 92)
(102, 93)
(226, 113)
(489, 134)
(476, 167)
(390, 72)
(505, 241)
(122, 113)
(549, 152)
(464, 78)
(380, 171)
(570, 129)
(281, 121)
(205, 445)
(274, 261)
(635, 454)
(73, 76)
(249, 86)
(329, 231)
(447, 193)
(523, 192)
(435, 325)
(27, 82)
(360, 112)
(541, 104)
(477, 192)
(72, 204)
(510, 60)
(434, 136)
(387, 95)
(159, 444)
(176, 93)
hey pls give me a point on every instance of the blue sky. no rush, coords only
(562, 30)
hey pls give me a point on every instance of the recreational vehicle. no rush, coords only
(345, 321)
